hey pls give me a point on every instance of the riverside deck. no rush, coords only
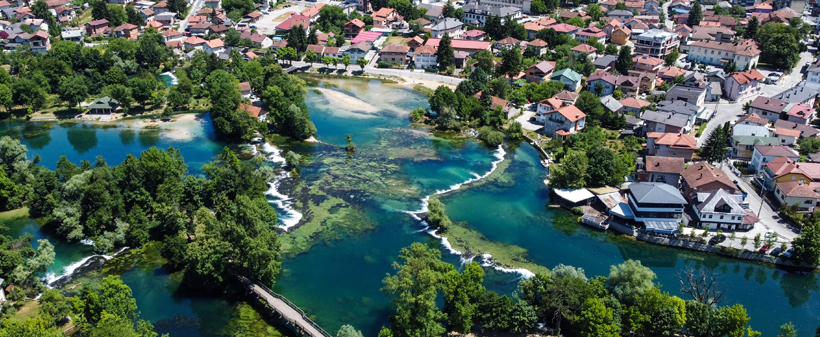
(289, 311)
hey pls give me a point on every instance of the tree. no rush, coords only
(702, 285)
(515, 131)
(225, 96)
(787, 330)
(751, 28)
(134, 17)
(629, 279)
(350, 146)
(462, 292)
(570, 172)
(807, 245)
(714, 149)
(310, 57)
(672, 58)
(73, 90)
(362, 62)
(780, 45)
(6, 98)
(511, 63)
(232, 37)
(445, 53)
(348, 330)
(611, 49)
(116, 15)
(695, 15)
(698, 318)
(413, 290)
(595, 320)
(808, 145)
(99, 9)
(346, 60)
(312, 37)
(296, 38)
(730, 321)
(28, 92)
(624, 62)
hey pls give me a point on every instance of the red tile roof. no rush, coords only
(674, 140)
(703, 173)
(664, 164)
(797, 189)
(294, 21)
(571, 113)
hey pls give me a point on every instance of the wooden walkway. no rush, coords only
(289, 311)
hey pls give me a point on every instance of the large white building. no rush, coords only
(475, 14)
(744, 53)
(656, 42)
(425, 57)
(523, 4)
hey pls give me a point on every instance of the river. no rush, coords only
(337, 279)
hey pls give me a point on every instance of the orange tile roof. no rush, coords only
(571, 113)
(675, 140)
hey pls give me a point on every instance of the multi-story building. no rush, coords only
(658, 202)
(703, 177)
(475, 14)
(722, 210)
(564, 121)
(744, 53)
(671, 145)
(394, 53)
(743, 84)
(656, 42)
(524, 5)
(425, 57)
(450, 26)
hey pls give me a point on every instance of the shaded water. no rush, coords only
(338, 280)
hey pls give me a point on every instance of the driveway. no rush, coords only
(267, 24)
(524, 119)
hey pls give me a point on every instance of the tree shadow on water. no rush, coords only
(82, 138)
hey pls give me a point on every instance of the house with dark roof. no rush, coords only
(605, 62)
(357, 50)
(801, 93)
(97, 28)
(103, 105)
(696, 96)
(656, 202)
(769, 108)
(722, 210)
(659, 169)
(602, 83)
(394, 53)
(805, 130)
(127, 30)
(703, 177)
(671, 145)
(447, 26)
(540, 71)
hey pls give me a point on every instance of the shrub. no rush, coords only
(577, 211)
(490, 136)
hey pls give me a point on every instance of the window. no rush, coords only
(721, 217)
(710, 216)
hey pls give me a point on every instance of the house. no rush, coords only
(333, 52)
(355, 51)
(161, 7)
(103, 105)
(415, 42)
(656, 42)
(394, 53)
(546, 106)
(621, 14)
(611, 104)
(194, 42)
(477, 14)
(763, 154)
(63, 13)
(801, 113)
(768, 108)
(425, 57)
(474, 35)
(171, 35)
(671, 145)
(258, 40)
(745, 53)
(743, 84)
(254, 111)
(245, 89)
(783, 169)
(703, 177)
(147, 14)
(219, 29)
(628, 85)
(689, 110)
(584, 49)
(200, 29)
(127, 30)
(605, 62)
(292, 22)
(743, 146)
(656, 121)
(353, 28)
(564, 28)
(313, 12)
(722, 210)
(602, 83)
(539, 45)
(433, 12)
(801, 93)
(570, 78)
(564, 121)
(279, 44)
(750, 130)
(567, 97)
(805, 130)
(787, 137)
(506, 107)
(507, 43)
(215, 46)
(620, 36)
(450, 26)
(75, 36)
(591, 33)
(389, 17)
(798, 193)
(656, 204)
(166, 19)
(658, 169)
(634, 105)
(97, 28)
(539, 71)
(647, 63)
(471, 47)
(762, 8)
(813, 73)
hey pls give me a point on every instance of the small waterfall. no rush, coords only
(77, 269)
(291, 217)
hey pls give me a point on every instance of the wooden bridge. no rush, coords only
(289, 311)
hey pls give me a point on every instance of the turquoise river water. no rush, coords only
(338, 281)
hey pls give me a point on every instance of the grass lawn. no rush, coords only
(282, 17)
(85, 18)
(30, 309)
(396, 40)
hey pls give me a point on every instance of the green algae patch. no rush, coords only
(472, 242)
(146, 257)
(246, 321)
(14, 214)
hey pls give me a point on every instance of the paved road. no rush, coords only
(194, 8)
(730, 112)
(665, 9)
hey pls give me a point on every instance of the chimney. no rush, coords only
(701, 176)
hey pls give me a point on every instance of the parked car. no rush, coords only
(265, 12)
(775, 252)
(773, 78)
(788, 253)
(770, 234)
(764, 249)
